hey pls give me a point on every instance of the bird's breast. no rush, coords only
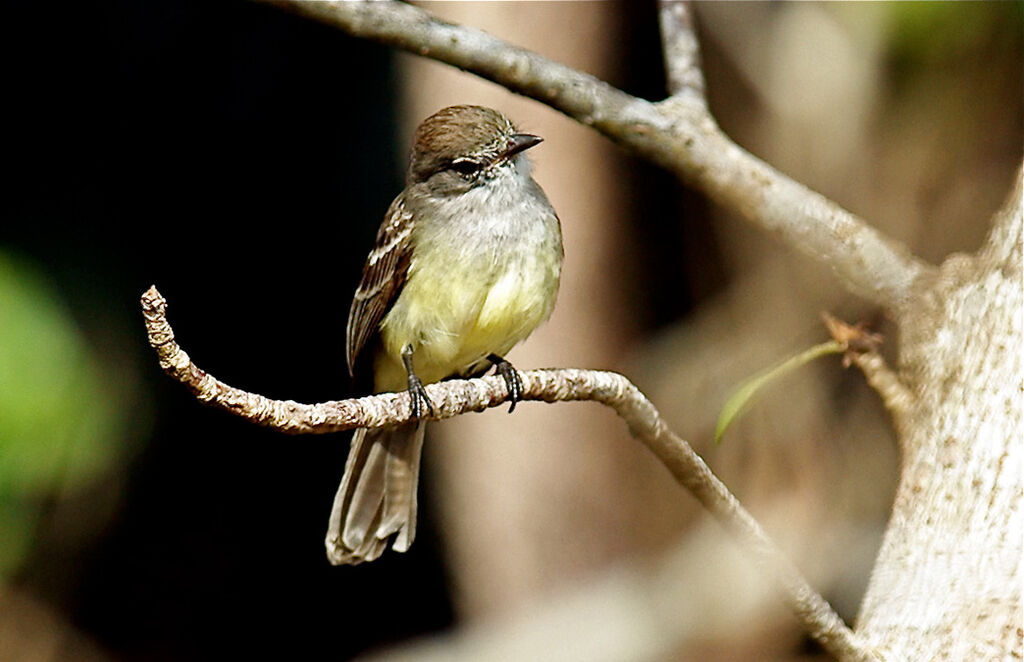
(479, 281)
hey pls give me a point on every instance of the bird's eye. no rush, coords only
(465, 167)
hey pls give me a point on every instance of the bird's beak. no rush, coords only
(521, 142)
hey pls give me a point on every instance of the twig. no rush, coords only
(455, 397)
(860, 348)
(680, 137)
(682, 51)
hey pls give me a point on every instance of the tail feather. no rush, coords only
(363, 511)
(403, 480)
(377, 495)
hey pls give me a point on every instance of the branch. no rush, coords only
(455, 397)
(860, 348)
(682, 51)
(682, 137)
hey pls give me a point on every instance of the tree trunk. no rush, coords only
(947, 584)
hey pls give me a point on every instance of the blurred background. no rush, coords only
(241, 159)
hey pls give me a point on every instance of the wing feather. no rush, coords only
(383, 277)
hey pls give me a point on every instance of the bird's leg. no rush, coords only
(417, 394)
(513, 381)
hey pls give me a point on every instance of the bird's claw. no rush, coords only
(418, 399)
(513, 382)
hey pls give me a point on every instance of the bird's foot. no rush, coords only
(513, 381)
(418, 399)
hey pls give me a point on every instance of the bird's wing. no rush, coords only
(383, 277)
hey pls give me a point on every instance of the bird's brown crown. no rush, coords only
(458, 132)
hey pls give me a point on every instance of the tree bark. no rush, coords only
(947, 583)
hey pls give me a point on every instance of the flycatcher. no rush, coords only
(466, 265)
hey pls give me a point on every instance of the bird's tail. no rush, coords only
(377, 496)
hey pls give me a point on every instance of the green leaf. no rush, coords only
(744, 395)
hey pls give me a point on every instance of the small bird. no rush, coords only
(466, 265)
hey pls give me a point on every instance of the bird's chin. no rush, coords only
(523, 165)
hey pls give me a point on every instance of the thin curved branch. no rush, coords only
(682, 137)
(455, 397)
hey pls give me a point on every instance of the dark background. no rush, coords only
(240, 158)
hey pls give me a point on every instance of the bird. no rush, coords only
(466, 264)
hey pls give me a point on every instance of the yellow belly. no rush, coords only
(453, 316)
